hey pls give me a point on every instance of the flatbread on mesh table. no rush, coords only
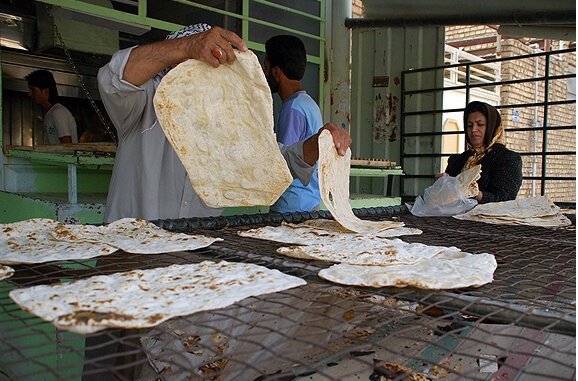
(6, 272)
(145, 298)
(533, 211)
(333, 175)
(31, 241)
(448, 270)
(317, 231)
(332, 226)
(367, 251)
(134, 235)
(40, 240)
(220, 123)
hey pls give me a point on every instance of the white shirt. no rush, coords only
(59, 122)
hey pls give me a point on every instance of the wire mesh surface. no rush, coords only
(521, 326)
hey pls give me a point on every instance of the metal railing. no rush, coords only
(538, 114)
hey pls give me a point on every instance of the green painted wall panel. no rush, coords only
(56, 355)
(17, 207)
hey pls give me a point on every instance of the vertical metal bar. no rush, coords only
(545, 122)
(468, 92)
(142, 8)
(2, 167)
(402, 132)
(468, 78)
(245, 20)
(72, 188)
(322, 41)
(1, 118)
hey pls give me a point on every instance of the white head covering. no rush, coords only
(186, 31)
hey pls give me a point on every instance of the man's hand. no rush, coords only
(341, 139)
(147, 60)
(214, 46)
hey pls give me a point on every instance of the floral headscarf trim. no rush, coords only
(186, 31)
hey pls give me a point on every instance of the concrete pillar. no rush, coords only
(338, 59)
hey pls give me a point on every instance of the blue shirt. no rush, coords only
(298, 119)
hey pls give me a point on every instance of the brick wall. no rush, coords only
(560, 115)
(357, 8)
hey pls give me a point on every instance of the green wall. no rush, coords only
(17, 207)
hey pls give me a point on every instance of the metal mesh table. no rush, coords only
(521, 326)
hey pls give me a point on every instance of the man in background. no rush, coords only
(299, 117)
(59, 124)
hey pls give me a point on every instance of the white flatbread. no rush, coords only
(307, 234)
(6, 272)
(469, 181)
(367, 251)
(145, 298)
(288, 234)
(332, 226)
(220, 123)
(333, 174)
(533, 211)
(133, 235)
(31, 241)
(444, 271)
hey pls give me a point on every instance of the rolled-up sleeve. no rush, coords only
(293, 155)
(125, 103)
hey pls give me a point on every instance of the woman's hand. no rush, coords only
(479, 196)
(438, 175)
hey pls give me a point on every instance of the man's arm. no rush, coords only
(341, 138)
(146, 61)
(302, 156)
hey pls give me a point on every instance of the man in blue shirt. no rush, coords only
(299, 117)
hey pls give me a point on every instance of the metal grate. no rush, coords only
(521, 326)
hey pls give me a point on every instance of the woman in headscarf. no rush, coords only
(501, 176)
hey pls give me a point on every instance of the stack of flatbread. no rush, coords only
(41, 240)
(533, 211)
(220, 123)
(145, 298)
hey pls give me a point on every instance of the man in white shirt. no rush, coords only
(59, 124)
